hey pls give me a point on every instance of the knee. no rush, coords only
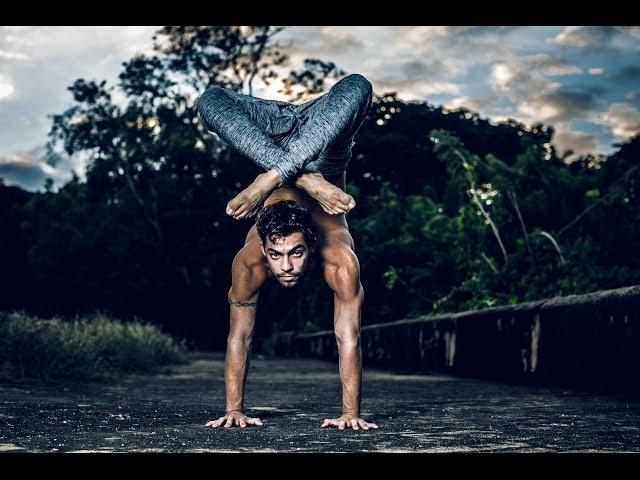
(359, 83)
(213, 92)
(210, 98)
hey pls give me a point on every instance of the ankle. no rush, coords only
(309, 179)
(273, 177)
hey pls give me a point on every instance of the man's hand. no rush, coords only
(347, 421)
(235, 417)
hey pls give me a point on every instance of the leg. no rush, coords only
(333, 120)
(233, 119)
(334, 160)
(331, 115)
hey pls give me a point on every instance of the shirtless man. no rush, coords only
(305, 150)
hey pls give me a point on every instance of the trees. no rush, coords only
(453, 212)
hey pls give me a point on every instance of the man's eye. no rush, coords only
(274, 255)
(298, 254)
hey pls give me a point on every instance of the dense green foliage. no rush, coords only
(452, 212)
(90, 347)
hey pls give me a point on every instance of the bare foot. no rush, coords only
(332, 199)
(247, 203)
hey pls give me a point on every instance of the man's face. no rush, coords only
(288, 258)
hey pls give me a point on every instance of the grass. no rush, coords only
(83, 348)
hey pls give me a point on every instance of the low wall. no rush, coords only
(591, 338)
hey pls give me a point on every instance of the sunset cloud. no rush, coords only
(562, 76)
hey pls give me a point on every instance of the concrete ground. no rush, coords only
(167, 412)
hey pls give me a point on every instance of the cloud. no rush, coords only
(29, 170)
(518, 82)
(627, 74)
(43, 62)
(599, 38)
(324, 40)
(531, 74)
(6, 89)
(584, 36)
(549, 65)
(580, 143)
(624, 120)
(6, 86)
(559, 106)
(416, 89)
(528, 74)
(13, 55)
(633, 96)
(476, 104)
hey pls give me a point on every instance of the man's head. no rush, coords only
(289, 237)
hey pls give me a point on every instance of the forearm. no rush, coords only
(235, 372)
(350, 365)
(236, 366)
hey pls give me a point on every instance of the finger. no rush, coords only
(327, 208)
(354, 424)
(253, 421)
(218, 422)
(243, 424)
(373, 425)
(209, 423)
(326, 422)
(363, 424)
(229, 422)
(341, 425)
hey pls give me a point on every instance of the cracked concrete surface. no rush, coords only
(166, 413)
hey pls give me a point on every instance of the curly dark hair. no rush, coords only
(280, 219)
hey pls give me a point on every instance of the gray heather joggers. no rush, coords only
(315, 136)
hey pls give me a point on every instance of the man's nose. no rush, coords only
(287, 266)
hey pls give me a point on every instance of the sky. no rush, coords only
(584, 81)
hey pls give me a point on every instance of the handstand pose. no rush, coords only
(306, 149)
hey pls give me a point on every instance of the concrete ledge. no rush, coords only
(585, 339)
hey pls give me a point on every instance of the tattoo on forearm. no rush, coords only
(238, 303)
